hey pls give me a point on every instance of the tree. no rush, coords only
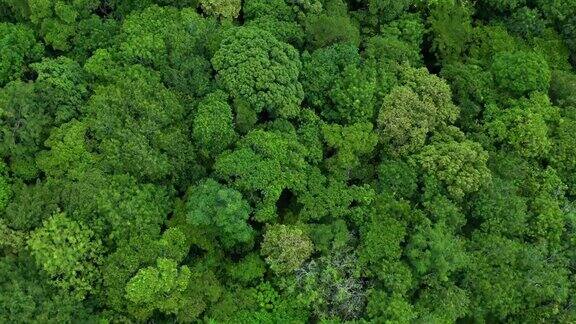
(351, 143)
(278, 9)
(331, 26)
(287, 161)
(24, 127)
(220, 209)
(159, 288)
(319, 70)
(56, 21)
(460, 167)
(69, 152)
(126, 208)
(285, 247)
(525, 126)
(135, 253)
(501, 209)
(503, 5)
(353, 96)
(69, 253)
(213, 128)
(563, 150)
(247, 271)
(29, 110)
(392, 50)
(382, 12)
(19, 48)
(332, 197)
(275, 17)
(488, 41)
(520, 73)
(446, 303)
(5, 188)
(255, 67)
(551, 44)
(451, 27)
(436, 254)
(30, 204)
(286, 31)
(413, 110)
(28, 296)
(408, 28)
(264, 164)
(93, 33)
(382, 239)
(332, 285)
(527, 23)
(222, 8)
(60, 87)
(389, 308)
(139, 129)
(510, 277)
(384, 233)
(171, 41)
(562, 91)
(397, 177)
(472, 89)
(116, 208)
(183, 292)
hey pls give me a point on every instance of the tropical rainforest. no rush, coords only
(287, 161)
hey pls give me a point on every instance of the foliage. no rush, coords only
(350, 143)
(451, 29)
(331, 26)
(5, 188)
(525, 125)
(264, 164)
(19, 47)
(287, 161)
(68, 252)
(159, 287)
(137, 124)
(217, 207)
(521, 72)
(172, 42)
(213, 128)
(412, 110)
(254, 66)
(461, 167)
(285, 248)
(56, 21)
(222, 8)
(335, 287)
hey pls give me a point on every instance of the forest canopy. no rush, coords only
(287, 161)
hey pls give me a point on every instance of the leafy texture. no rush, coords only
(255, 67)
(287, 161)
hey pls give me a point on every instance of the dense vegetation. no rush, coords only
(287, 161)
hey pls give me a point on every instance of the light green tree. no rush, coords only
(69, 253)
(285, 247)
(159, 288)
(422, 103)
(222, 8)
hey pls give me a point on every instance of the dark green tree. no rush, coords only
(220, 209)
(19, 48)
